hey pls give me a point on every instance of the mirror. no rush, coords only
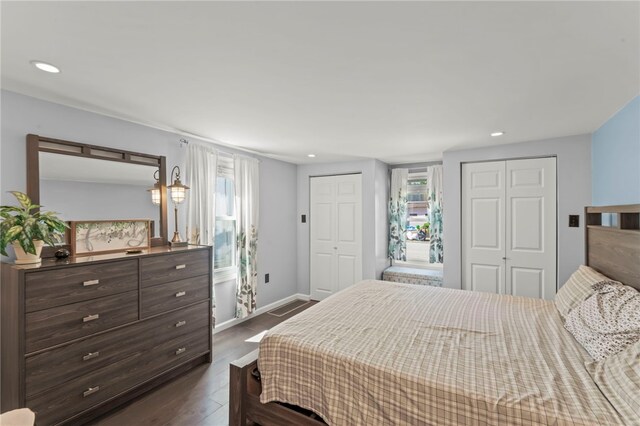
(89, 182)
(81, 188)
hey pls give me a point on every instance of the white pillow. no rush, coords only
(608, 321)
(577, 288)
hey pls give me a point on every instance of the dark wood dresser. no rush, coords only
(83, 335)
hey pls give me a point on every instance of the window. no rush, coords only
(417, 218)
(224, 257)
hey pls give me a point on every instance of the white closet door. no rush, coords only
(336, 233)
(531, 228)
(509, 227)
(483, 223)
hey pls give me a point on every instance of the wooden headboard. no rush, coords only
(614, 250)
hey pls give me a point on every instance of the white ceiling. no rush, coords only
(401, 82)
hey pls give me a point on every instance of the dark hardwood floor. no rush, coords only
(201, 397)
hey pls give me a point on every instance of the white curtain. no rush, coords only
(398, 214)
(434, 192)
(201, 171)
(246, 180)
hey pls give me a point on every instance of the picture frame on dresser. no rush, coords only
(90, 237)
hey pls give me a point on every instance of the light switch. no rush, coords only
(574, 221)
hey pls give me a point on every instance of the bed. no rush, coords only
(389, 353)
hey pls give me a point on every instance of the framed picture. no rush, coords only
(109, 236)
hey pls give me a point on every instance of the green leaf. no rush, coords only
(7, 209)
(23, 199)
(27, 245)
(12, 233)
(30, 223)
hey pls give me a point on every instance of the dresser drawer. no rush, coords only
(58, 287)
(48, 369)
(73, 397)
(164, 355)
(176, 266)
(57, 325)
(164, 297)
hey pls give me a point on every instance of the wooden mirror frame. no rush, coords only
(37, 144)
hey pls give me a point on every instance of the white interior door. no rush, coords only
(336, 233)
(483, 224)
(531, 228)
(509, 227)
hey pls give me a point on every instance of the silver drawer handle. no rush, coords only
(90, 391)
(181, 293)
(181, 323)
(90, 318)
(181, 351)
(90, 282)
(90, 355)
(181, 266)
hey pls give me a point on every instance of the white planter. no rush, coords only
(23, 258)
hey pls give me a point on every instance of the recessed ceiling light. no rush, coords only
(45, 67)
(311, 155)
(494, 134)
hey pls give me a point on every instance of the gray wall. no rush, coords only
(21, 115)
(374, 215)
(574, 193)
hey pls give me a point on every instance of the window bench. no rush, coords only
(401, 274)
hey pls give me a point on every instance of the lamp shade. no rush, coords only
(178, 191)
(155, 195)
(155, 191)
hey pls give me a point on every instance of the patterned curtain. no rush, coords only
(434, 183)
(398, 214)
(202, 163)
(246, 181)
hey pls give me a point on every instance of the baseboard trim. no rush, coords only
(235, 321)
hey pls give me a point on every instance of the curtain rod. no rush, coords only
(415, 166)
(218, 151)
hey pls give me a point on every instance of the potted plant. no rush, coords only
(27, 230)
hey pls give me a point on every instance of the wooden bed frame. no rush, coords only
(612, 250)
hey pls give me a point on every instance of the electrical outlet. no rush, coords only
(574, 221)
(304, 218)
(266, 278)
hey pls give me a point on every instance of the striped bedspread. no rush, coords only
(382, 353)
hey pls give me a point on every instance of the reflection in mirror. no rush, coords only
(81, 188)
